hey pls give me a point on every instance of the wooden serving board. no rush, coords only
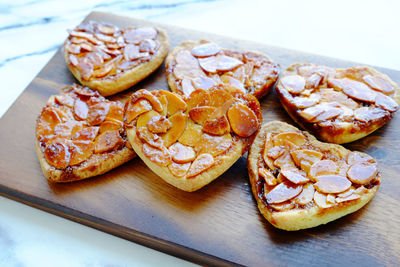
(219, 224)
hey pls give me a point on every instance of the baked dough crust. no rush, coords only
(115, 84)
(189, 45)
(345, 132)
(296, 219)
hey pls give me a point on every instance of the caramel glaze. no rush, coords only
(261, 184)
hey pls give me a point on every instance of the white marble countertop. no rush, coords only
(31, 31)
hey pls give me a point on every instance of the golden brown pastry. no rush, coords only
(110, 60)
(190, 142)
(338, 105)
(299, 182)
(203, 64)
(80, 134)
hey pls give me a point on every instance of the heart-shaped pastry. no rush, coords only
(299, 182)
(338, 105)
(110, 60)
(190, 142)
(80, 134)
(203, 64)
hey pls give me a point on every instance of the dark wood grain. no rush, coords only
(219, 224)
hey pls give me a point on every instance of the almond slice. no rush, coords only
(295, 84)
(275, 152)
(204, 83)
(81, 109)
(284, 160)
(152, 139)
(354, 157)
(181, 153)
(354, 89)
(362, 172)
(135, 35)
(305, 102)
(144, 118)
(322, 167)
(80, 151)
(386, 102)
(283, 206)
(136, 109)
(199, 98)
(332, 184)
(348, 198)
(179, 170)
(206, 50)
(367, 114)
(187, 86)
(295, 138)
(283, 192)
(217, 126)
(97, 113)
(192, 134)
(215, 145)
(268, 177)
(304, 156)
(219, 96)
(159, 124)
(294, 175)
(312, 112)
(107, 141)
(267, 148)
(379, 84)
(213, 64)
(201, 114)
(159, 156)
(109, 126)
(306, 196)
(115, 111)
(57, 155)
(328, 113)
(65, 99)
(178, 121)
(67, 129)
(321, 200)
(202, 163)
(242, 119)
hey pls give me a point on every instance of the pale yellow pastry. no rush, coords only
(300, 182)
(204, 64)
(190, 142)
(80, 134)
(110, 60)
(338, 105)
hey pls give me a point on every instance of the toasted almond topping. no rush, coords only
(332, 184)
(283, 206)
(187, 86)
(267, 148)
(366, 114)
(330, 199)
(313, 81)
(321, 200)
(65, 99)
(348, 198)
(386, 102)
(108, 141)
(294, 175)
(86, 134)
(164, 103)
(144, 118)
(284, 160)
(199, 98)
(275, 152)
(152, 139)
(97, 113)
(81, 109)
(362, 172)
(312, 112)
(294, 83)
(267, 175)
(67, 129)
(322, 167)
(329, 95)
(179, 170)
(305, 102)
(201, 114)
(178, 121)
(159, 124)
(202, 163)
(216, 126)
(57, 155)
(181, 153)
(204, 83)
(354, 89)
(80, 151)
(219, 96)
(307, 195)
(206, 50)
(360, 190)
(295, 138)
(306, 155)
(355, 156)
(243, 120)
(213, 64)
(134, 110)
(159, 156)
(379, 84)
(283, 192)
(215, 145)
(148, 45)
(109, 125)
(175, 102)
(135, 35)
(328, 113)
(192, 134)
(347, 193)
(115, 111)
(155, 103)
(187, 66)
